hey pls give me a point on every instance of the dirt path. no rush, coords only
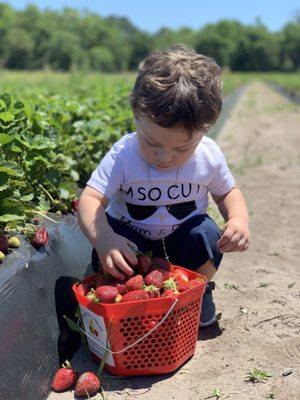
(258, 292)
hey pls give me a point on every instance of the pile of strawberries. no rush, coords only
(66, 378)
(155, 278)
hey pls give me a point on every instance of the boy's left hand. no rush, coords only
(235, 236)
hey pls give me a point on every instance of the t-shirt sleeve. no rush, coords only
(107, 178)
(223, 180)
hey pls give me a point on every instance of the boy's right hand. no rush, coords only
(115, 252)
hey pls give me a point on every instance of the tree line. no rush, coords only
(71, 40)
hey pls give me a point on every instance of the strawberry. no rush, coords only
(154, 278)
(40, 238)
(121, 286)
(3, 243)
(87, 385)
(161, 263)
(170, 284)
(83, 288)
(179, 276)
(164, 272)
(152, 291)
(169, 293)
(135, 295)
(36, 220)
(183, 286)
(75, 205)
(106, 294)
(65, 378)
(144, 264)
(135, 283)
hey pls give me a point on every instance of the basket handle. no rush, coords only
(138, 340)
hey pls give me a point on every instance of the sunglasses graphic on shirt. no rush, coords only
(179, 210)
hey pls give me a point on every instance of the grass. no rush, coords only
(215, 394)
(31, 84)
(258, 375)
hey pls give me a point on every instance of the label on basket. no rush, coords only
(95, 328)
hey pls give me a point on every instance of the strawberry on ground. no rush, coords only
(65, 378)
(135, 283)
(87, 385)
(3, 243)
(106, 294)
(135, 295)
(154, 278)
(75, 205)
(40, 238)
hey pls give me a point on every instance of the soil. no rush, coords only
(257, 291)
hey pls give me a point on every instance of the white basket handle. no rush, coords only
(138, 340)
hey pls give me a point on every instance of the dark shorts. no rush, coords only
(191, 245)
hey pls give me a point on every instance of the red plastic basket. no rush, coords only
(145, 337)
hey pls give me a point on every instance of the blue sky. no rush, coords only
(154, 14)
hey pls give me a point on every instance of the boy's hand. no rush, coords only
(114, 251)
(235, 236)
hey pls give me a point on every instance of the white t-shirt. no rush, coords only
(155, 202)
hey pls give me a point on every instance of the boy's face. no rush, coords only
(165, 147)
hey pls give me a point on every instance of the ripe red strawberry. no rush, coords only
(183, 286)
(170, 284)
(144, 264)
(83, 288)
(135, 283)
(40, 238)
(179, 276)
(87, 385)
(36, 220)
(169, 293)
(152, 291)
(121, 286)
(164, 272)
(3, 244)
(154, 278)
(65, 378)
(75, 205)
(135, 295)
(161, 263)
(106, 294)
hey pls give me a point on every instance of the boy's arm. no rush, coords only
(233, 208)
(111, 247)
(91, 215)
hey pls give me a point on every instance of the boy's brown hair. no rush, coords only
(178, 87)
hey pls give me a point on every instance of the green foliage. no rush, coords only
(258, 375)
(49, 147)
